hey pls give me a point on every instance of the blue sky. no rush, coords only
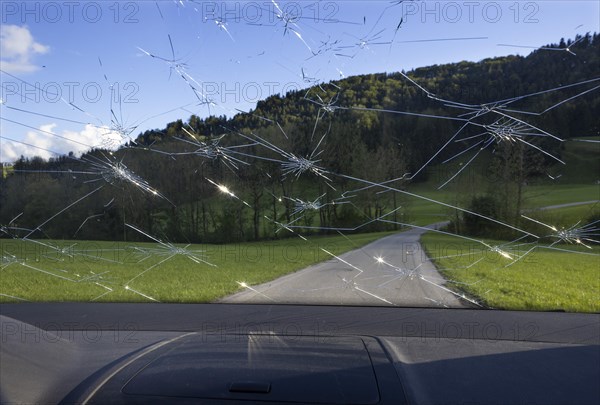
(236, 52)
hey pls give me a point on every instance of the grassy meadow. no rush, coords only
(88, 271)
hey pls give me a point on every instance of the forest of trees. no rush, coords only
(376, 146)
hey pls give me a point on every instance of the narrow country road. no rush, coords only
(357, 278)
(340, 281)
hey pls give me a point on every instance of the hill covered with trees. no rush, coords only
(375, 127)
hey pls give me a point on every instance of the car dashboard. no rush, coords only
(227, 353)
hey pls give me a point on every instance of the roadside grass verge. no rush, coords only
(544, 280)
(103, 266)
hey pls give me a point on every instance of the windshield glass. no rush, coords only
(388, 153)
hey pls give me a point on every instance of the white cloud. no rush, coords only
(17, 49)
(44, 144)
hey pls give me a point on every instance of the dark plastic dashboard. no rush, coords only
(221, 353)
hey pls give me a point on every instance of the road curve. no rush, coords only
(412, 280)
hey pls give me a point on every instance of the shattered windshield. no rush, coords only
(388, 153)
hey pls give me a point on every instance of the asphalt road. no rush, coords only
(405, 278)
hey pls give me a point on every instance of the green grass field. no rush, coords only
(44, 274)
(542, 196)
(544, 280)
(566, 216)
